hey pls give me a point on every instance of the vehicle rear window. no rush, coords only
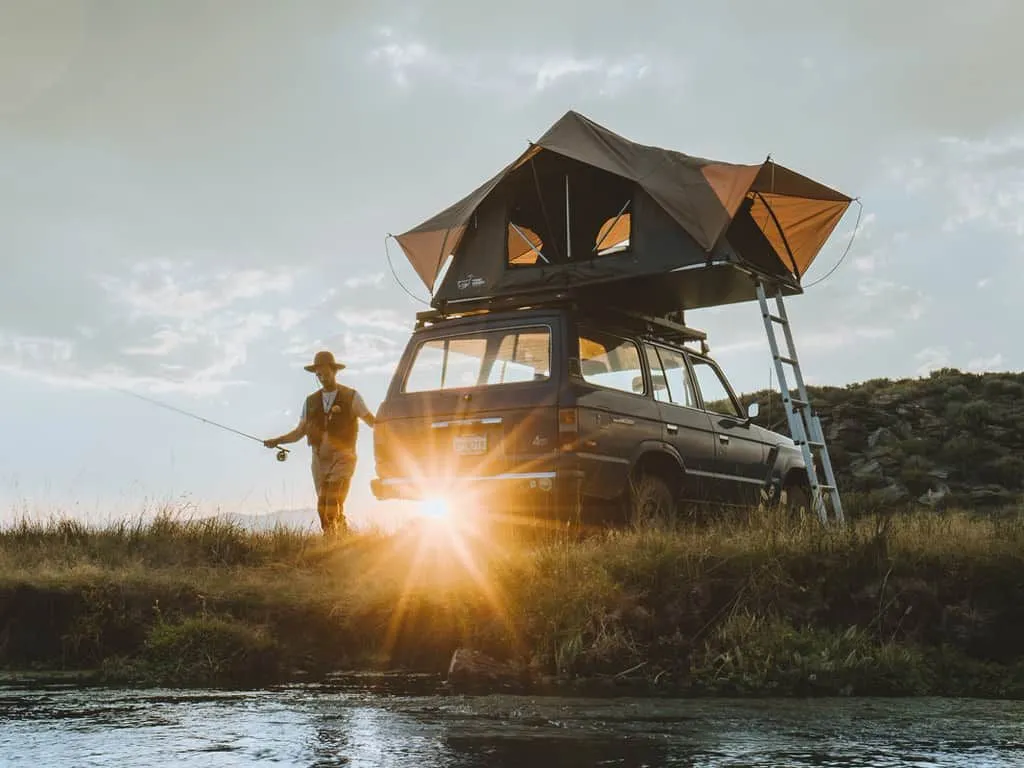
(482, 359)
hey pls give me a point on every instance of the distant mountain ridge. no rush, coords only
(302, 519)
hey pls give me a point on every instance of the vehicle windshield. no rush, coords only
(481, 359)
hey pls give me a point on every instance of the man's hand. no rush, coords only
(272, 443)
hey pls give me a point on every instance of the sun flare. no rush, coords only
(437, 508)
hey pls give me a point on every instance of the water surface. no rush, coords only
(338, 725)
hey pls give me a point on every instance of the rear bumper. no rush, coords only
(554, 485)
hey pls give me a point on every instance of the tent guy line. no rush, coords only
(853, 236)
(394, 274)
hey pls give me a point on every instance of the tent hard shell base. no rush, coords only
(683, 289)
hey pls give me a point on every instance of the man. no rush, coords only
(330, 424)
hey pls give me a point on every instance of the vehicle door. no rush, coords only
(685, 425)
(614, 408)
(741, 455)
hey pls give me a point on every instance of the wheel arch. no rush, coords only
(660, 459)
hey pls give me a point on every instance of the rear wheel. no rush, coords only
(651, 502)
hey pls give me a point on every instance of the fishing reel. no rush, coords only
(282, 454)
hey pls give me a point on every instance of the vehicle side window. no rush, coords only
(677, 378)
(713, 389)
(611, 362)
(661, 391)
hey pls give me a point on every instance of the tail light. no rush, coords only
(568, 428)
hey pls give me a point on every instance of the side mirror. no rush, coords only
(753, 410)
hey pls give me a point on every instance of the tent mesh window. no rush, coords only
(561, 211)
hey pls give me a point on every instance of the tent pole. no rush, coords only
(782, 233)
(568, 239)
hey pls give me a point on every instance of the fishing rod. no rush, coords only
(282, 453)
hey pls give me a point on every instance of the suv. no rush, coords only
(562, 411)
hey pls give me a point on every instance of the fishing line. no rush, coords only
(282, 453)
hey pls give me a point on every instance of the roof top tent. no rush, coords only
(587, 214)
(586, 210)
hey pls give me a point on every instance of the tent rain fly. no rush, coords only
(587, 209)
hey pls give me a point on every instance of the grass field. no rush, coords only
(909, 603)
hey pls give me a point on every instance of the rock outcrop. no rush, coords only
(951, 439)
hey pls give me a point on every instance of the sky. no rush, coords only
(194, 198)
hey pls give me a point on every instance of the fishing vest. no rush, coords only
(341, 426)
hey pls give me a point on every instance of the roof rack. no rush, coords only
(670, 328)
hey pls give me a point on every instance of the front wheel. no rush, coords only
(651, 502)
(795, 501)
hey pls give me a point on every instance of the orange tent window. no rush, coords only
(613, 236)
(523, 245)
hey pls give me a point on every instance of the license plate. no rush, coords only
(470, 444)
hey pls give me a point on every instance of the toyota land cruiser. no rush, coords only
(562, 411)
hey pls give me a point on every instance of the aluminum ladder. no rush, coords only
(804, 425)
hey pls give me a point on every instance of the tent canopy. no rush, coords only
(584, 206)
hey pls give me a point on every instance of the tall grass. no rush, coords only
(891, 602)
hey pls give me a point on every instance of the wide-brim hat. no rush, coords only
(324, 358)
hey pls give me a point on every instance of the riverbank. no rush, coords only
(903, 604)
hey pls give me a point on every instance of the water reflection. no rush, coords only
(328, 726)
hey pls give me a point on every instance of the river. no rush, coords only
(346, 724)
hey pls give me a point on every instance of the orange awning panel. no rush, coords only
(806, 223)
(731, 183)
(427, 251)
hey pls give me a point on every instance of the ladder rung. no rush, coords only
(796, 401)
(789, 360)
(814, 444)
(777, 319)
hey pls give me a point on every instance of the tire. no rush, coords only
(795, 501)
(651, 503)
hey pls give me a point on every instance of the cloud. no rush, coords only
(993, 362)
(403, 57)
(611, 75)
(362, 349)
(365, 281)
(407, 57)
(18, 349)
(362, 352)
(841, 337)
(977, 182)
(931, 358)
(165, 341)
(817, 341)
(159, 289)
(287, 319)
(379, 319)
(164, 326)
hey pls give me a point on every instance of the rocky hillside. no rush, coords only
(951, 439)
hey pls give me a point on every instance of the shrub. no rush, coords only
(209, 650)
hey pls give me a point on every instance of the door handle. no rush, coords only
(623, 420)
(723, 439)
(672, 428)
